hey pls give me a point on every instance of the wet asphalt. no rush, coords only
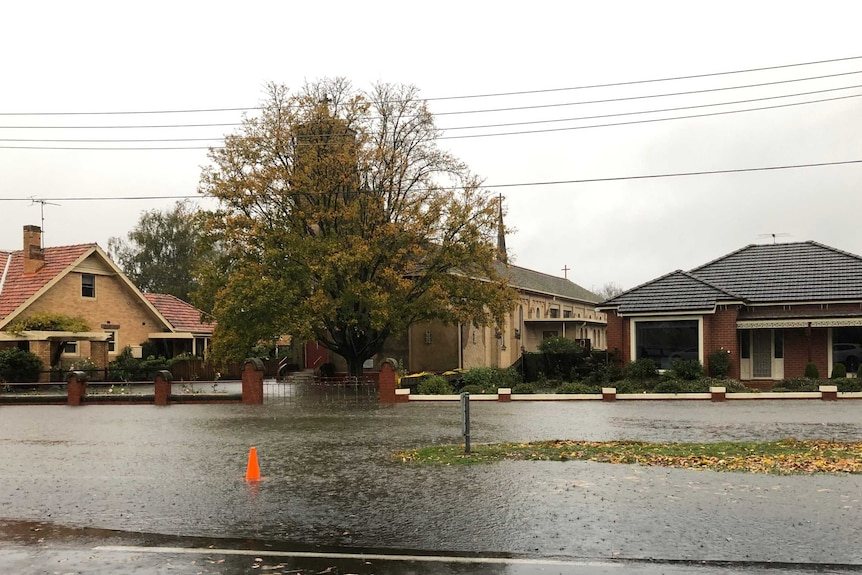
(135, 487)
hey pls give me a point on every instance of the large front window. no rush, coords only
(665, 341)
(847, 347)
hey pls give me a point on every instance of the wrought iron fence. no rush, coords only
(321, 390)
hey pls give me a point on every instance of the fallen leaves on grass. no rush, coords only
(780, 457)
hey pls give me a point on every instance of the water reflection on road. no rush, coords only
(329, 478)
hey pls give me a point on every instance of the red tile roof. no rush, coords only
(16, 287)
(183, 316)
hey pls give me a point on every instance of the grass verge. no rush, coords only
(787, 456)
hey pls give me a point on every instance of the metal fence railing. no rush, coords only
(321, 390)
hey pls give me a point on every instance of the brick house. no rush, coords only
(774, 308)
(82, 281)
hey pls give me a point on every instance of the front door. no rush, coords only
(761, 353)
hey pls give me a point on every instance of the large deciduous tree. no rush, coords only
(342, 221)
(160, 253)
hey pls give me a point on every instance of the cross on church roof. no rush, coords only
(565, 271)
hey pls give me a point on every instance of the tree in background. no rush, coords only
(342, 222)
(162, 250)
(608, 290)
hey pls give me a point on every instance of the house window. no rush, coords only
(112, 341)
(70, 348)
(88, 285)
(745, 344)
(550, 334)
(555, 312)
(665, 341)
(428, 338)
(567, 313)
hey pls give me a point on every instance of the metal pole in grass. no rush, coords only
(465, 420)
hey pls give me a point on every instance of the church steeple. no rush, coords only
(502, 256)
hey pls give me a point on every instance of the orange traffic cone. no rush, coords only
(253, 470)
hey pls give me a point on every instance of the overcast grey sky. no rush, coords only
(135, 56)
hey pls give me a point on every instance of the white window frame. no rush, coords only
(633, 331)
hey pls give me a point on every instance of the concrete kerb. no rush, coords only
(715, 394)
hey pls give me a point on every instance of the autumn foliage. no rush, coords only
(340, 220)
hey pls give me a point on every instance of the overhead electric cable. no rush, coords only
(466, 136)
(463, 112)
(510, 185)
(475, 127)
(461, 97)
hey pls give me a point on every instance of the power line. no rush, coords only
(510, 185)
(459, 97)
(648, 121)
(464, 112)
(629, 98)
(463, 136)
(475, 127)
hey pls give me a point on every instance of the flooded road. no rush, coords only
(329, 478)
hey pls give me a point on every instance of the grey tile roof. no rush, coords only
(772, 273)
(529, 280)
(791, 272)
(677, 290)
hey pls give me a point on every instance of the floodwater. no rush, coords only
(329, 478)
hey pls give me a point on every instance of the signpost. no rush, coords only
(465, 420)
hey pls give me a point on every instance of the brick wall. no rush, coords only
(114, 304)
(617, 334)
(796, 351)
(719, 332)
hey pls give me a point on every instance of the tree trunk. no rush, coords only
(354, 366)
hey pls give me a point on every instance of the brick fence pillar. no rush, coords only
(718, 393)
(388, 383)
(504, 394)
(163, 387)
(829, 392)
(252, 381)
(609, 394)
(76, 387)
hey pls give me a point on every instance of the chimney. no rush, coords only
(34, 257)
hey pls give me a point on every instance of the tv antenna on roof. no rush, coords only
(42, 204)
(774, 236)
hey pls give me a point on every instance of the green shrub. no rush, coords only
(796, 384)
(524, 388)
(848, 385)
(559, 345)
(730, 385)
(719, 363)
(688, 369)
(577, 387)
(19, 366)
(128, 368)
(470, 389)
(490, 378)
(434, 385)
(327, 369)
(811, 371)
(839, 370)
(603, 372)
(630, 386)
(643, 368)
(670, 386)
